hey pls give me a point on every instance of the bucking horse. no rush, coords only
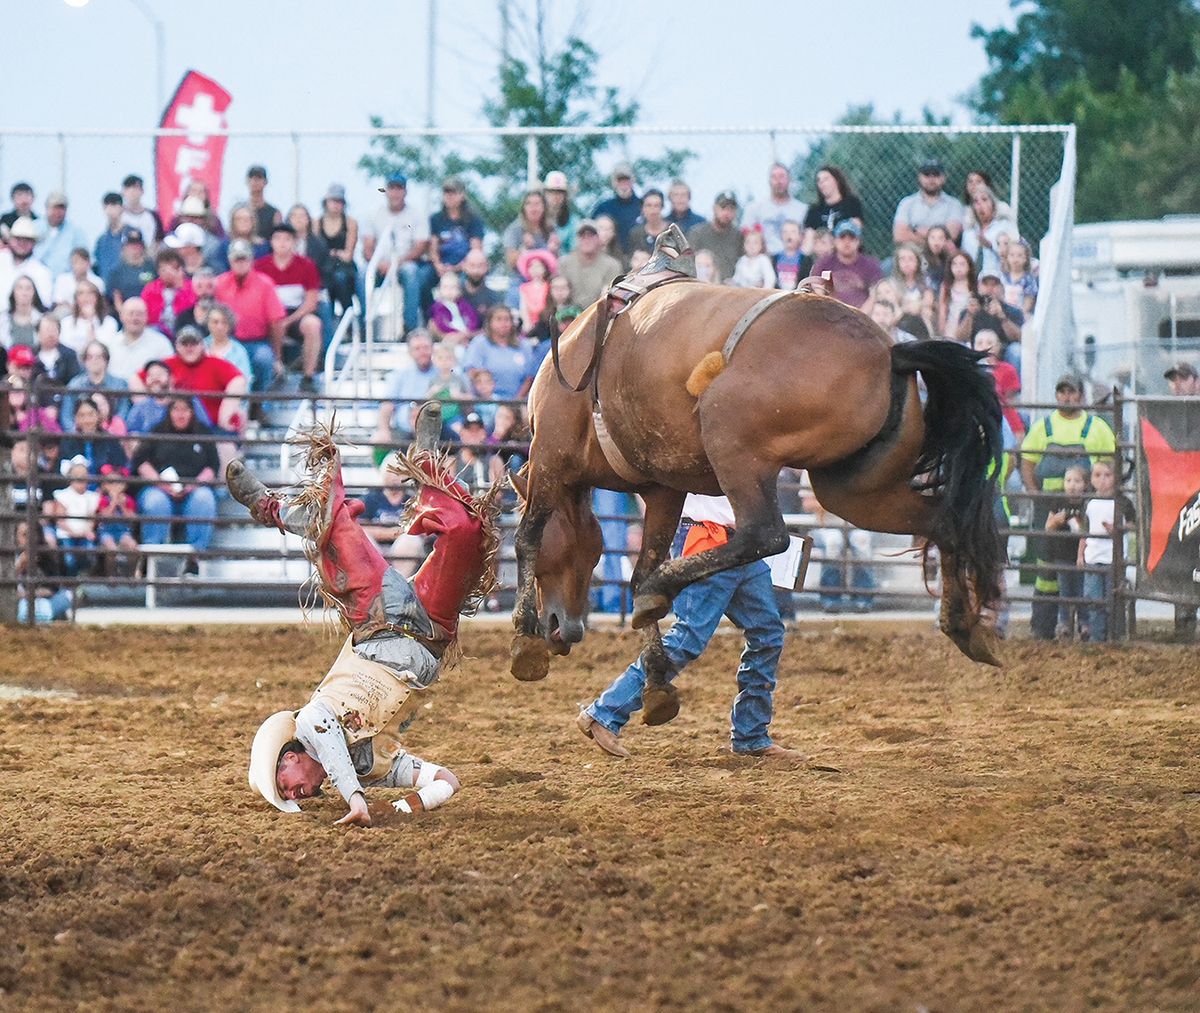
(690, 387)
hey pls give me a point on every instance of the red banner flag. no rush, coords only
(198, 106)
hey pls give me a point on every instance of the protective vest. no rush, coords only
(1052, 467)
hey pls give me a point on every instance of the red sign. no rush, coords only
(1169, 521)
(198, 107)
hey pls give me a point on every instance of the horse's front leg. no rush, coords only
(529, 652)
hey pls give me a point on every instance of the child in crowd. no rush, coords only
(1068, 517)
(958, 286)
(448, 387)
(936, 256)
(638, 259)
(1020, 283)
(75, 507)
(706, 267)
(792, 265)
(535, 267)
(452, 317)
(1097, 548)
(822, 245)
(753, 268)
(115, 514)
(483, 384)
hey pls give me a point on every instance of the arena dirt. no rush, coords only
(1025, 839)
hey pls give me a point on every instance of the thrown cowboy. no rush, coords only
(400, 633)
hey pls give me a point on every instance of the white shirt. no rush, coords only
(708, 508)
(64, 287)
(77, 333)
(397, 232)
(771, 217)
(31, 268)
(1098, 547)
(126, 359)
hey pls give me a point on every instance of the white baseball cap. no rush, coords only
(185, 234)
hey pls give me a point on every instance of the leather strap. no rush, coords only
(752, 314)
(612, 453)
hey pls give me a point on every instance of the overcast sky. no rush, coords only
(312, 64)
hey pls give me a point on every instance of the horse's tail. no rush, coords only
(960, 456)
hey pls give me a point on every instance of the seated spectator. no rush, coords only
(449, 387)
(707, 269)
(116, 517)
(383, 517)
(178, 470)
(37, 559)
(753, 268)
(241, 227)
(60, 238)
(606, 229)
(884, 308)
(298, 286)
(978, 179)
(562, 219)
(936, 255)
(853, 271)
(917, 213)
(535, 267)
(508, 428)
(75, 510)
(188, 241)
(404, 389)
(792, 265)
(18, 325)
(89, 319)
(19, 364)
(314, 247)
(778, 207)
(500, 349)
(483, 389)
(169, 294)
(257, 311)
(133, 272)
(475, 288)
(80, 271)
(135, 344)
(909, 274)
(204, 285)
(87, 440)
(988, 311)
(623, 208)
(17, 261)
(1008, 381)
(94, 376)
(339, 232)
(58, 364)
(836, 202)
(221, 342)
(650, 223)
(452, 317)
(587, 268)
(149, 410)
(560, 310)
(1020, 283)
(195, 205)
(472, 461)
(395, 240)
(722, 235)
(24, 413)
(680, 196)
(22, 198)
(958, 288)
(107, 252)
(454, 229)
(530, 231)
(980, 242)
(194, 370)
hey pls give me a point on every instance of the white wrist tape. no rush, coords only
(425, 774)
(435, 794)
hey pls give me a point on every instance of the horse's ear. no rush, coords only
(519, 480)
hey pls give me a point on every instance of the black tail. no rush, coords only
(960, 456)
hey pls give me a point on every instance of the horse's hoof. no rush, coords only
(984, 645)
(659, 704)
(649, 608)
(530, 659)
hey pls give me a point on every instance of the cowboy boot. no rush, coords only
(245, 487)
(427, 429)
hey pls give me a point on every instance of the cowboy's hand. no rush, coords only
(359, 815)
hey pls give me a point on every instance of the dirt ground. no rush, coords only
(1025, 839)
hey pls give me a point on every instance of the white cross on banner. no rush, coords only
(198, 106)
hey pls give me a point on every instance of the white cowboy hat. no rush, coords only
(272, 735)
(23, 228)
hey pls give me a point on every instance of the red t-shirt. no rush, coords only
(253, 301)
(210, 373)
(1008, 384)
(291, 282)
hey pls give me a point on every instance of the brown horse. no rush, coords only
(813, 384)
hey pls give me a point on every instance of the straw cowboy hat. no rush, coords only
(272, 735)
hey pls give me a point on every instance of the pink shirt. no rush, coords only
(254, 302)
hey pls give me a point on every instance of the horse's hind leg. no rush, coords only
(529, 652)
(965, 625)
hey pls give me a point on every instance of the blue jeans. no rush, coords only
(606, 503)
(72, 562)
(746, 596)
(198, 505)
(45, 609)
(1070, 585)
(413, 275)
(262, 363)
(1095, 617)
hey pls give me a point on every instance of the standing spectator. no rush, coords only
(80, 272)
(936, 256)
(956, 295)
(792, 265)
(400, 236)
(136, 343)
(383, 517)
(266, 216)
(721, 236)
(623, 207)
(18, 325)
(135, 214)
(134, 271)
(779, 207)
(474, 282)
(22, 199)
(116, 515)
(1104, 521)
(975, 180)
(754, 268)
(404, 388)
(1182, 380)
(1020, 283)
(558, 210)
(241, 227)
(680, 196)
(170, 293)
(500, 351)
(17, 261)
(1072, 435)
(258, 313)
(107, 252)
(587, 267)
(94, 376)
(339, 232)
(298, 286)
(179, 470)
(836, 202)
(196, 206)
(853, 271)
(452, 318)
(194, 370)
(60, 236)
(929, 206)
(650, 224)
(1068, 522)
(981, 242)
(221, 342)
(535, 267)
(1008, 381)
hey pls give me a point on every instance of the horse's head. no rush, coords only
(570, 549)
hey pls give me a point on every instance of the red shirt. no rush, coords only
(1008, 384)
(293, 282)
(254, 302)
(210, 373)
(152, 296)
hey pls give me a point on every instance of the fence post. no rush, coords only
(8, 541)
(1116, 602)
(532, 172)
(1014, 189)
(32, 508)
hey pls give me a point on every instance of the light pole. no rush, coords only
(160, 44)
